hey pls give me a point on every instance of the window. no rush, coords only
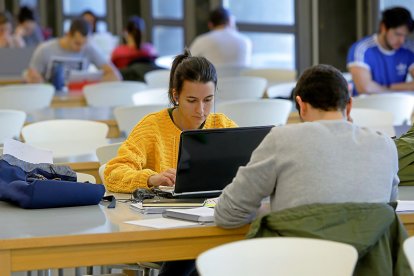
(408, 4)
(272, 30)
(74, 8)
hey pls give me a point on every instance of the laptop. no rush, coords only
(209, 159)
(14, 61)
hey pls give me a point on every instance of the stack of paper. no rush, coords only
(202, 214)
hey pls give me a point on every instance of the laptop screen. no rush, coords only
(209, 159)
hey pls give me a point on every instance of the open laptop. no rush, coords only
(209, 159)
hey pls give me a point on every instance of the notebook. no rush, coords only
(201, 214)
(209, 159)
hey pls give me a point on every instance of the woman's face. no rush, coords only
(194, 103)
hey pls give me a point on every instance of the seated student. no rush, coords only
(7, 40)
(74, 45)
(90, 17)
(381, 62)
(134, 49)
(28, 29)
(149, 155)
(327, 159)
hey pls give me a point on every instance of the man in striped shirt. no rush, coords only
(380, 62)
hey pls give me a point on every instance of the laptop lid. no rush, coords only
(209, 159)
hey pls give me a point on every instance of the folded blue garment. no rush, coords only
(33, 186)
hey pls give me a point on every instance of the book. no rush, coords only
(173, 202)
(201, 214)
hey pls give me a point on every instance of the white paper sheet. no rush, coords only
(162, 223)
(405, 206)
(27, 153)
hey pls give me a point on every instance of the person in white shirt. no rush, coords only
(223, 44)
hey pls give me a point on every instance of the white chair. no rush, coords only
(272, 75)
(226, 71)
(279, 256)
(111, 94)
(157, 78)
(69, 140)
(237, 88)
(158, 96)
(400, 105)
(281, 90)
(11, 123)
(84, 177)
(378, 120)
(408, 247)
(128, 116)
(26, 97)
(107, 152)
(257, 112)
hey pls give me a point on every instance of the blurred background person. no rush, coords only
(7, 39)
(134, 49)
(91, 18)
(223, 44)
(28, 28)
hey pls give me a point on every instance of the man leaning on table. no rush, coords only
(381, 62)
(73, 44)
(326, 178)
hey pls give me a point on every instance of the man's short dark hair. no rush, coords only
(323, 87)
(397, 17)
(81, 26)
(219, 16)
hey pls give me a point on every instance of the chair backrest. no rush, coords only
(157, 96)
(257, 112)
(372, 118)
(157, 78)
(237, 88)
(279, 256)
(84, 177)
(227, 71)
(26, 97)
(64, 130)
(11, 123)
(114, 93)
(400, 105)
(107, 152)
(281, 90)
(101, 172)
(128, 116)
(408, 247)
(272, 75)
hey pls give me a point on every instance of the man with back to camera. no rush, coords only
(381, 62)
(74, 45)
(223, 44)
(326, 159)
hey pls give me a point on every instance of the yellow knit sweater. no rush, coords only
(151, 148)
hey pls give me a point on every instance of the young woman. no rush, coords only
(149, 155)
(134, 49)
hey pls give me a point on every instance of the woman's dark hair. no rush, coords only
(136, 27)
(396, 17)
(323, 87)
(25, 14)
(188, 68)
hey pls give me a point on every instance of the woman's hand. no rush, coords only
(165, 178)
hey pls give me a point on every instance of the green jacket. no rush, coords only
(405, 148)
(373, 229)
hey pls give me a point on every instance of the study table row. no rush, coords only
(96, 235)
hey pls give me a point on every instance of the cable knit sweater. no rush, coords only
(152, 147)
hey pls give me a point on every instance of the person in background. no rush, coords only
(327, 159)
(91, 18)
(7, 40)
(27, 27)
(73, 44)
(380, 62)
(223, 45)
(134, 49)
